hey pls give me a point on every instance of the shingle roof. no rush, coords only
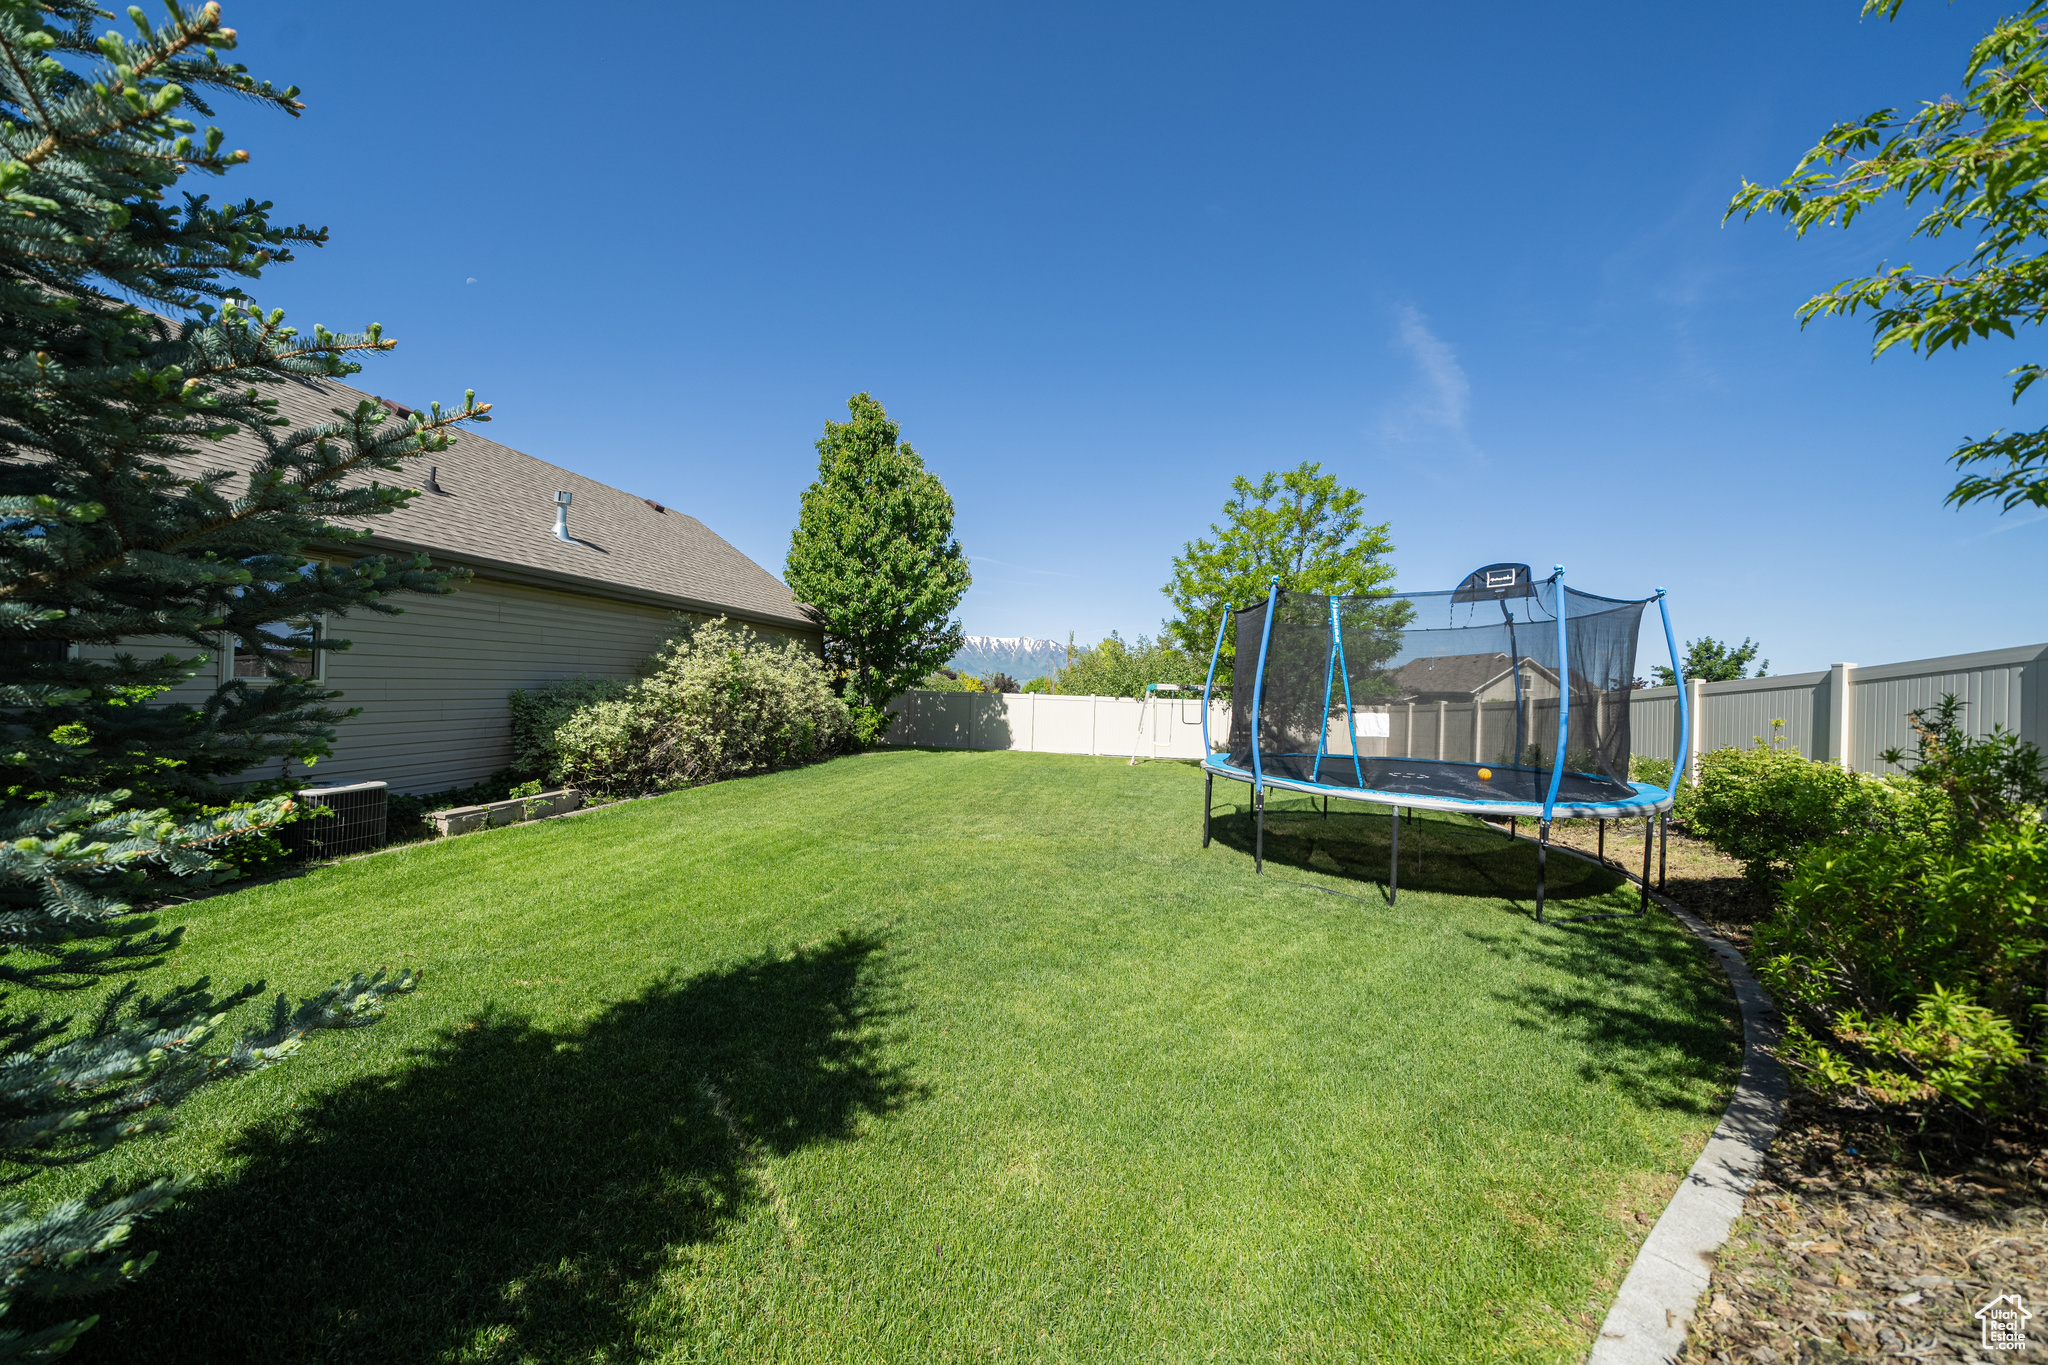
(495, 508)
(1456, 676)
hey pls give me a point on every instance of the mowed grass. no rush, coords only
(925, 1056)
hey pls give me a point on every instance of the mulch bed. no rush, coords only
(1845, 1250)
(1871, 1234)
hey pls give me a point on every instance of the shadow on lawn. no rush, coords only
(506, 1197)
(1671, 1046)
(1654, 1014)
(1447, 853)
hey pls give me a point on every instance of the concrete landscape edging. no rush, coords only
(1656, 1303)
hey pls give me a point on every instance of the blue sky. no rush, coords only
(1098, 259)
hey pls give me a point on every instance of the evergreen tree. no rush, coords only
(874, 561)
(127, 348)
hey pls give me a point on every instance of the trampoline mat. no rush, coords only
(1436, 778)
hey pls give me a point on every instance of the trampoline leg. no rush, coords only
(1511, 827)
(1542, 865)
(1603, 841)
(1649, 842)
(1208, 804)
(1394, 873)
(1663, 833)
(1259, 848)
(1326, 808)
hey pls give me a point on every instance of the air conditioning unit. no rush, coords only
(356, 825)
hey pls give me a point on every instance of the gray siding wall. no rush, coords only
(432, 682)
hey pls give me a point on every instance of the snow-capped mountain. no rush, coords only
(1021, 656)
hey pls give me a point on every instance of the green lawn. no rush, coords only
(935, 1056)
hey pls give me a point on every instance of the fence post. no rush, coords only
(1841, 688)
(1697, 703)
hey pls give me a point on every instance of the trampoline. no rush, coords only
(1507, 696)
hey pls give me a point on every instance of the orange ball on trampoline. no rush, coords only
(1486, 774)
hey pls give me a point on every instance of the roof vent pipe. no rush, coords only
(562, 518)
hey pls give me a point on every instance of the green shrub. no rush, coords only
(1763, 805)
(1655, 771)
(1910, 952)
(719, 703)
(539, 711)
(1037, 685)
(1985, 780)
(1911, 966)
(866, 726)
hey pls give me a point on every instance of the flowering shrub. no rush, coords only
(538, 712)
(719, 703)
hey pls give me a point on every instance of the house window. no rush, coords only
(297, 637)
(36, 651)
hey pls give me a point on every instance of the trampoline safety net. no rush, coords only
(1419, 693)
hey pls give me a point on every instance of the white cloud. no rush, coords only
(2012, 525)
(1432, 412)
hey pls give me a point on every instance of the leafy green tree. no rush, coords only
(127, 348)
(1116, 668)
(1711, 661)
(1302, 527)
(874, 562)
(1978, 166)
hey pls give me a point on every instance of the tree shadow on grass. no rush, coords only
(1652, 1011)
(1453, 854)
(508, 1195)
(1678, 1049)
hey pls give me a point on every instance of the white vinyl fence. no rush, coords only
(1038, 723)
(1849, 714)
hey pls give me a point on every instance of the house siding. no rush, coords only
(432, 682)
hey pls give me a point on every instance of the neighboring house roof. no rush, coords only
(492, 508)
(1458, 677)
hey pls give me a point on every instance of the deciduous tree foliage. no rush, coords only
(128, 348)
(1711, 661)
(874, 561)
(1302, 527)
(1978, 167)
(1120, 668)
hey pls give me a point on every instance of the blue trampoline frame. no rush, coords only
(1650, 803)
